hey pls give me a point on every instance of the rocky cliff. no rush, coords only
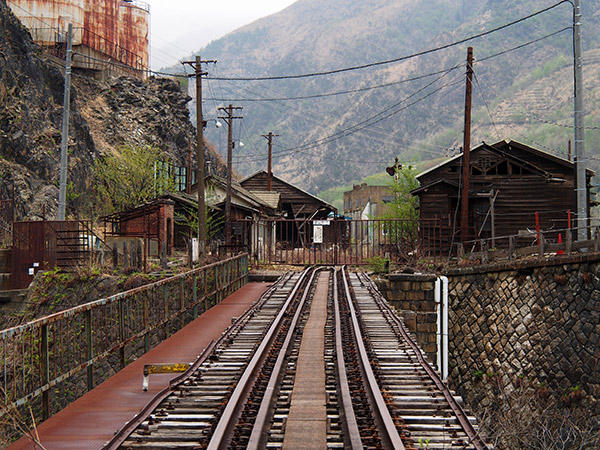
(104, 117)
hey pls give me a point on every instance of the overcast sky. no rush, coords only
(180, 27)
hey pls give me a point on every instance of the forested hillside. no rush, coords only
(339, 127)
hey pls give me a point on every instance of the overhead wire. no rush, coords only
(487, 106)
(331, 94)
(357, 127)
(422, 76)
(402, 58)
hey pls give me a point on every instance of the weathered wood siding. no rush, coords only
(527, 181)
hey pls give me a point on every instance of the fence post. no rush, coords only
(485, 254)
(195, 296)
(460, 252)
(512, 241)
(146, 324)
(122, 332)
(89, 351)
(542, 244)
(166, 305)
(568, 241)
(45, 369)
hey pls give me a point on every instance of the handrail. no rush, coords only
(36, 356)
(105, 301)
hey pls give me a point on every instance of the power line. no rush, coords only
(402, 58)
(331, 94)
(518, 47)
(357, 127)
(487, 107)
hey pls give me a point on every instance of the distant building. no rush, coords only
(367, 202)
(295, 202)
(109, 36)
(508, 183)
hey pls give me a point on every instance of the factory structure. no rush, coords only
(109, 36)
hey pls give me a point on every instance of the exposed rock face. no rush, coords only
(104, 117)
(30, 122)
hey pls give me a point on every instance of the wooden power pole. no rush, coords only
(229, 111)
(269, 138)
(464, 216)
(200, 175)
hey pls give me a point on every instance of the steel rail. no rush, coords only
(459, 412)
(256, 440)
(219, 436)
(381, 408)
(122, 434)
(354, 437)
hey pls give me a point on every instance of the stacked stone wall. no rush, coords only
(538, 320)
(412, 297)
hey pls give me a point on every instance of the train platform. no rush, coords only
(91, 421)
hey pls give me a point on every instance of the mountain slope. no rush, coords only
(335, 139)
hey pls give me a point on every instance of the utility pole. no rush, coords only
(581, 188)
(464, 217)
(229, 119)
(200, 124)
(270, 137)
(62, 191)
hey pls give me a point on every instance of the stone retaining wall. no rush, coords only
(412, 297)
(536, 319)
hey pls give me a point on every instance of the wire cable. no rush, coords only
(331, 94)
(402, 58)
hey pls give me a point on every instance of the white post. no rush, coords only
(445, 308)
(438, 299)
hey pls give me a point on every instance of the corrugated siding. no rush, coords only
(113, 28)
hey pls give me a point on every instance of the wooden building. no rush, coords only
(509, 183)
(295, 202)
(153, 222)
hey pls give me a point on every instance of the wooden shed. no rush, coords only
(295, 202)
(509, 183)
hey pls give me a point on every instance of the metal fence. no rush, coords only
(45, 244)
(337, 241)
(37, 356)
(539, 243)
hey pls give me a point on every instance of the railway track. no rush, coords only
(319, 362)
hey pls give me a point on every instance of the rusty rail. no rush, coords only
(379, 407)
(459, 412)
(354, 438)
(39, 355)
(236, 400)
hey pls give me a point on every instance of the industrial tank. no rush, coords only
(105, 32)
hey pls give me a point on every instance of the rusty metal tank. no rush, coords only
(106, 30)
